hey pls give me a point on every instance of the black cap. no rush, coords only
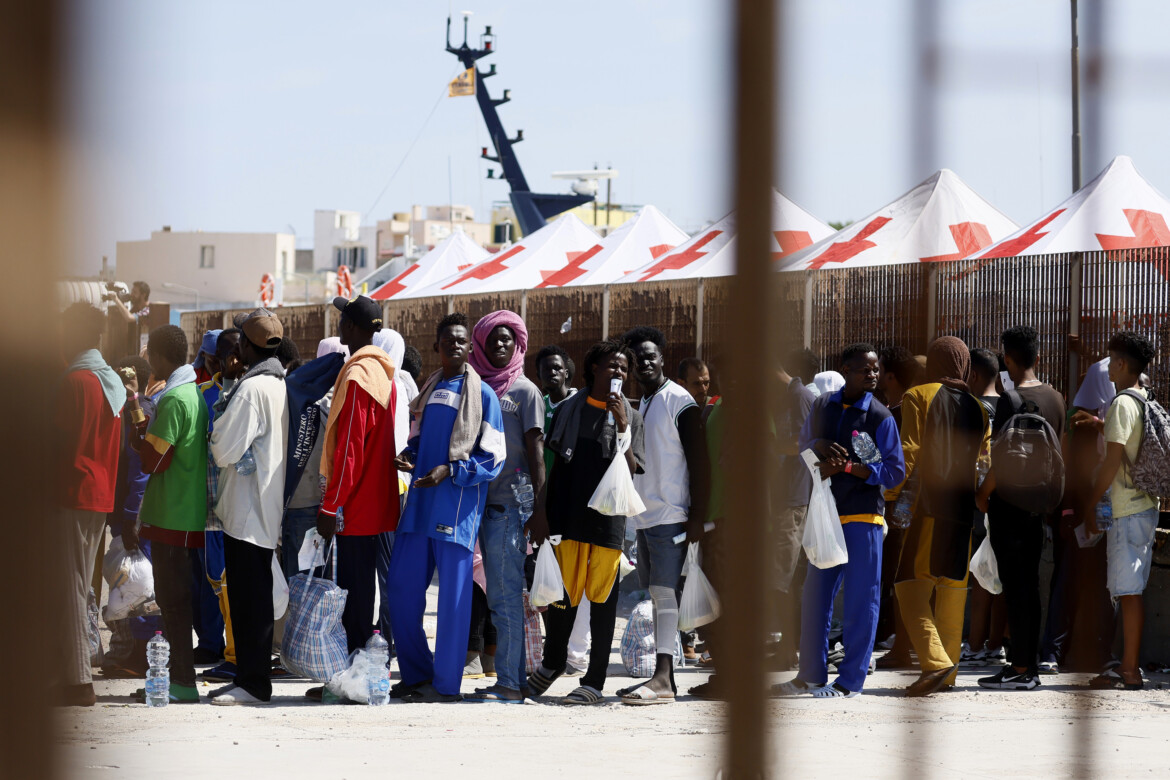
(362, 311)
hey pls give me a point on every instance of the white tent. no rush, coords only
(711, 251)
(453, 254)
(941, 219)
(642, 239)
(1117, 210)
(533, 259)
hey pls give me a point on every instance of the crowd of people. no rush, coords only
(218, 467)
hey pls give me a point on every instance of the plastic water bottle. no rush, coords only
(379, 677)
(865, 449)
(246, 465)
(524, 494)
(1105, 512)
(903, 511)
(982, 467)
(158, 676)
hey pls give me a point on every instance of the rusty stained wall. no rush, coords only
(548, 310)
(304, 324)
(415, 319)
(669, 306)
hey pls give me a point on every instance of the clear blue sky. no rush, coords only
(235, 116)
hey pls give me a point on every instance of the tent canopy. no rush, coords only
(1117, 210)
(939, 220)
(533, 259)
(647, 236)
(453, 254)
(711, 251)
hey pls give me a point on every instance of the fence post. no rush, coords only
(699, 295)
(605, 313)
(1076, 275)
(450, 304)
(524, 305)
(931, 304)
(806, 324)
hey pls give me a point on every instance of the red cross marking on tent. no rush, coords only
(395, 285)
(1149, 229)
(841, 251)
(1026, 239)
(658, 250)
(681, 259)
(487, 269)
(790, 241)
(969, 237)
(562, 276)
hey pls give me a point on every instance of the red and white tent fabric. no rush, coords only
(533, 259)
(939, 220)
(1117, 210)
(453, 254)
(711, 251)
(649, 235)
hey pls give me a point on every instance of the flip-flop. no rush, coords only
(793, 688)
(1111, 680)
(493, 693)
(400, 689)
(426, 694)
(834, 691)
(643, 695)
(583, 694)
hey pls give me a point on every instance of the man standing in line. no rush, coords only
(357, 462)
(945, 430)
(173, 515)
(1017, 533)
(249, 444)
(87, 432)
(457, 446)
(857, 489)
(500, 343)
(1130, 539)
(674, 489)
(695, 378)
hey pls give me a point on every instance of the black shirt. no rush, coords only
(1049, 402)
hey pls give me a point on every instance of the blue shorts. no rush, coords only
(1130, 547)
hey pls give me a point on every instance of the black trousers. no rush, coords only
(558, 622)
(357, 572)
(483, 633)
(172, 591)
(1017, 539)
(249, 585)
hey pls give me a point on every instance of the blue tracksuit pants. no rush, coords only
(862, 580)
(412, 564)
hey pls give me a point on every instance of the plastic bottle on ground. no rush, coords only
(158, 676)
(378, 651)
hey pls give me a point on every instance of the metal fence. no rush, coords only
(826, 310)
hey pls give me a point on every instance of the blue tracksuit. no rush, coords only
(438, 530)
(831, 419)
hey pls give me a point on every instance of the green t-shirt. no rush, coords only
(176, 499)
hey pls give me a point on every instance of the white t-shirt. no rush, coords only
(251, 507)
(665, 487)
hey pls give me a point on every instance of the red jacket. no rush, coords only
(363, 481)
(89, 436)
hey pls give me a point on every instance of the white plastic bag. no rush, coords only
(279, 589)
(352, 683)
(984, 566)
(615, 494)
(700, 603)
(824, 538)
(547, 585)
(312, 552)
(131, 580)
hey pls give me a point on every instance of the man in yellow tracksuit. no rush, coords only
(945, 430)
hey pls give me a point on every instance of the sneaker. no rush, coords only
(996, 657)
(967, 656)
(1049, 667)
(1009, 679)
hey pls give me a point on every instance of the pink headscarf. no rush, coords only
(499, 379)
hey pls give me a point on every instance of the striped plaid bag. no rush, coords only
(314, 643)
(533, 642)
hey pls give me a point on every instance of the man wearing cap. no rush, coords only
(248, 444)
(357, 462)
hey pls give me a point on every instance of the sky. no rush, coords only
(229, 116)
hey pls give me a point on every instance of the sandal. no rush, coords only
(1111, 680)
(426, 694)
(834, 691)
(712, 690)
(496, 693)
(190, 695)
(401, 688)
(539, 682)
(643, 695)
(583, 694)
(793, 688)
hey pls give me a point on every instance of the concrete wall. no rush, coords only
(240, 260)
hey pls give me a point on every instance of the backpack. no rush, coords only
(1150, 471)
(1029, 469)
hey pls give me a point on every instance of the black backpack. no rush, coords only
(1029, 469)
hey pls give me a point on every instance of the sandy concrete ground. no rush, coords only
(965, 733)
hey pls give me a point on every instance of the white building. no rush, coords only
(208, 268)
(339, 239)
(414, 233)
